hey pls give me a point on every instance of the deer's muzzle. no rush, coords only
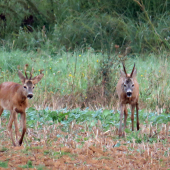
(129, 94)
(29, 96)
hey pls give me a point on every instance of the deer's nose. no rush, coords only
(29, 96)
(129, 94)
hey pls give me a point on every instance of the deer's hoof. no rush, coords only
(122, 134)
(17, 144)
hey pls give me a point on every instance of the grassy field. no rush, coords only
(76, 79)
(71, 124)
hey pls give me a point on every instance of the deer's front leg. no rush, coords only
(122, 107)
(23, 121)
(132, 116)
(125, 116)
(1, 110)
(137, 116)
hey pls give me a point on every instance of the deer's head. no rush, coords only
(28, 83)
(128, 84)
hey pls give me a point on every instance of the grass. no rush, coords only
(75, 79)
(28, 165)
(3, 164)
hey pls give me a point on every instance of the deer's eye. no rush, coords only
(132, 85)
(25, 87)
(124, 85)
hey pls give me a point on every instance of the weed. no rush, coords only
(41, 167)
(3, 149)
(3, 164)
(28, 165)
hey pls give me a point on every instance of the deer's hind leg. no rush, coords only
(11, 119)
(16, 126)
(1, 110)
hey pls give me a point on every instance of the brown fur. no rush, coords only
(14, 97)
(123, 99)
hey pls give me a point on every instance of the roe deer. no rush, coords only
(128, 92)
(14, 97)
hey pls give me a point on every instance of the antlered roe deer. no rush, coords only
(14, 97)
(128, 93)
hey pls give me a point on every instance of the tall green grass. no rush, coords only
(77, 79)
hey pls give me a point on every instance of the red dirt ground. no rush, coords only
(83, 151)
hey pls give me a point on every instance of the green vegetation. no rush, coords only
(88, 119)
(84, 79)
(68, 25)
(108, 118)
(81, 44)
(28, 165)
(3, 164)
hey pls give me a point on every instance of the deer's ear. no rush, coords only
(36, 79)
(122, 73)
(22, 77)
